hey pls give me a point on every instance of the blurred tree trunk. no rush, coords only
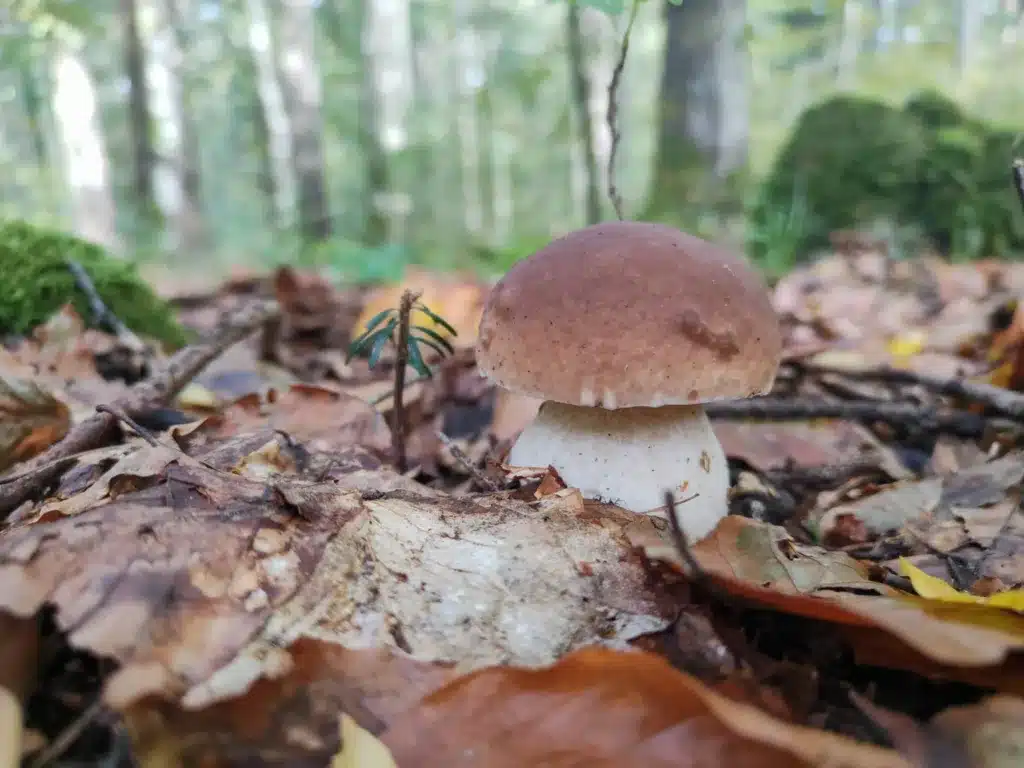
(465, 70)
(581, 100)
(177, 173)
(275, 116)
(192, 225)
(969, 30)
(83, 151)
(143, 154)
(32, 100)
(376, 181)
(850, 40)
(300, 86)
(703, 127)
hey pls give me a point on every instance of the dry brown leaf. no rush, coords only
(296, 717)
(604, 708)
(174, 580)
(991, 732)
(760, 563)
(31, 419)
(322, 419)
(774, 445)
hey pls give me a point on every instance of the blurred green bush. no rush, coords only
(925, 167)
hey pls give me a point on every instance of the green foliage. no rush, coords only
(382, 328)
(852, 159)
(925, 167)
(37, 283)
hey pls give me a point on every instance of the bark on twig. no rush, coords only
(967, 425)
(102, 315)
(612, 116)
(1004, 401)
(401, 361)
(154, 392)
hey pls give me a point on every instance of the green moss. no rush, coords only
(849, 161)
(37, 282)
(926, 167)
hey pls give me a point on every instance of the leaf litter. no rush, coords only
(240, 577)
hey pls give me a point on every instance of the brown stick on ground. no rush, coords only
(154, 392)
(1004, 401)
(957, 423)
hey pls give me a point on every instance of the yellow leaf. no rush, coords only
(934, 588)
(360, 748)
(906, 345)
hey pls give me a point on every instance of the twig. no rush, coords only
(1005, 401)
(401, 360)
(120, 415)
(459, 455)
(102, 315)
(612, 116)
(155, 391)
(67, 737)
(694, 571)
(967, 425)
(1018, 179)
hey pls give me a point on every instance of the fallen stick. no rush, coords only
(156, 391)
(1006, 402)
(967, 425)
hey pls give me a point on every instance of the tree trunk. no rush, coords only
(33, 102)
(275, 116)
(143, 154)
(969, 32)
(300, 86)
(83, 152)
(581, 100)
(177, 174)
(703, 126)
(192, 224)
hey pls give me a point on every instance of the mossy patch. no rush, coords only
(926, 167)
(36, 282)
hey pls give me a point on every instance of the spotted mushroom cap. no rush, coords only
(625, 313)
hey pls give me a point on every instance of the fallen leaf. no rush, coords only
(936, 589)
(322, 419)
(303, 714)
(31, 420)
(603, 708)
(360, 748)
(991, 732)
(171, 581)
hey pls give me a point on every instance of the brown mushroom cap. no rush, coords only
(623, 314)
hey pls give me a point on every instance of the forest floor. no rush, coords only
(210, 559)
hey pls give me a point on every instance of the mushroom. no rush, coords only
(624, 329)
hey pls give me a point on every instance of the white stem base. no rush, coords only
(631, 456)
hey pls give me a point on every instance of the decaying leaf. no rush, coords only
(320, 418)
(604, 708)
(761, 564)
(301, 715)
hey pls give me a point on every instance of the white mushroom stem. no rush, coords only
(631, 456)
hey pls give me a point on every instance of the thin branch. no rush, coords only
(1004, 401)
(967, 425)
(155, 391)
(102, 315)
(459, 455)
(398, 425)
(612, 116)
(1018, 179)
